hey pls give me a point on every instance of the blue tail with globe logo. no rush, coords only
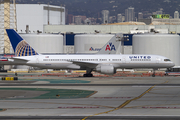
(20, 46)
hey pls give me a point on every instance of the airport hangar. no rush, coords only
(28, 20)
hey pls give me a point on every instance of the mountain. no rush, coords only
(91, 8)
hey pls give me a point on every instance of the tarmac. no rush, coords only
(115, 97)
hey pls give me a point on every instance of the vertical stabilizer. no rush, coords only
(112, 45)
(20, 46)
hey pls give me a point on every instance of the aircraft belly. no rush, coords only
(73, 66)
(55, 65)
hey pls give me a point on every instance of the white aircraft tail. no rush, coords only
(112, 45)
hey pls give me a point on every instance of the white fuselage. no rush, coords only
(78, 62)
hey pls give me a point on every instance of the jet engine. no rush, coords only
(106, 69)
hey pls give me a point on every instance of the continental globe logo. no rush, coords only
(24, 49)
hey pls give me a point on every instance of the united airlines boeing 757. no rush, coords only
(103, 63)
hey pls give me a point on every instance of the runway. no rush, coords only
(101, 98)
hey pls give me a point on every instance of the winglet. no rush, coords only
(20, 46)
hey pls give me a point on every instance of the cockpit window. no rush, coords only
(167, 60)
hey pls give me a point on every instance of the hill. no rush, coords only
(91, 8)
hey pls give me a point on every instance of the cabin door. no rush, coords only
(157, 60)
(37, 60)
(124, 60)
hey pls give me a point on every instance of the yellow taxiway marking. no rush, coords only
(125, 103)
(91, 94)
(122, 105)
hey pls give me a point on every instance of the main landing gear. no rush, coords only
(88, 73)
(153, 75)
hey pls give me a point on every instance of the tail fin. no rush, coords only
(111, 46)
(20, 46)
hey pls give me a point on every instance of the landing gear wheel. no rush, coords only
(153, 75)
(88, 75)
(91, 75)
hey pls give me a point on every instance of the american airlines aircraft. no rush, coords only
(103, 63)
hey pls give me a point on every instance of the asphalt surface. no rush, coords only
(120, 98)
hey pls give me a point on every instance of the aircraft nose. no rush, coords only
(172, 64)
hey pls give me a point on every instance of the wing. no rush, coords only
(18, 60)
(85, 64)
(13, 61)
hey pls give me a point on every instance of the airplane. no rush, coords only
(103, 63)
